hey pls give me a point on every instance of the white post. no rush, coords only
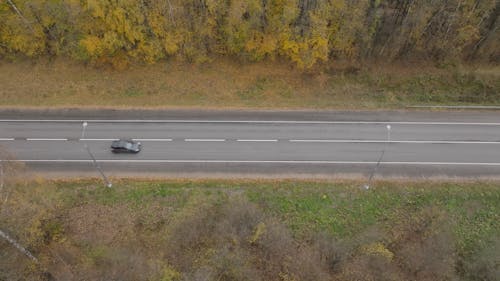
(367, 185)
(84, 125)
(1, 175)
(94, 161)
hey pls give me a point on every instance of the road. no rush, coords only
(292, 143)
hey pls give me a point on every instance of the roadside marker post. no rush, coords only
(367, 185)
(84, 125)
(1, 175)
(94, 161)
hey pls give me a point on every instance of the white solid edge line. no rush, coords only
(246, 140)
(398, 141)
(262, 161)
(44, 139)
(252, 121)
(455, 106)
(6, 139)
(204, 140)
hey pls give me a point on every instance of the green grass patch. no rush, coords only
(345, 210)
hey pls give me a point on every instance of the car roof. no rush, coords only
(122, 143)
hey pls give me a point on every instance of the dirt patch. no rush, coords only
(93, 222)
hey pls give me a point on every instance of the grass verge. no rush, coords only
(251, 230)
(226, 84)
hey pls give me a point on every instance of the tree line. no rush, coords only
(305, 32)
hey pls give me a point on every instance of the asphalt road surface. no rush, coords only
(295, 144)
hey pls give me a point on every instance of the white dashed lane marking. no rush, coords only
(244, 140)
(204, 140)
(44, 139)
(159, 140)
(97, 139)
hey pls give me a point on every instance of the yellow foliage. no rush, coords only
(96, 8)
(170, 274)
(171, 43)
(261, 45)
(92, 45)
(259, 230)
(466, 34)
(287, 277)
(378, 249)
(148, 51)
(117, 33)
(198, 30)
(306, 53)
(290, 47)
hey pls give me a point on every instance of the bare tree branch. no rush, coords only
(14, 7)
(18, 246)
(171, 12)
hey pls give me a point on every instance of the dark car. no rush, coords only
(125, 146)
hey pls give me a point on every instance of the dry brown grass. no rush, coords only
(237, 241)
(161, 85)
(223, 84)
(419, 247)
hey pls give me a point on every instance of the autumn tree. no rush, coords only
(305, 32)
